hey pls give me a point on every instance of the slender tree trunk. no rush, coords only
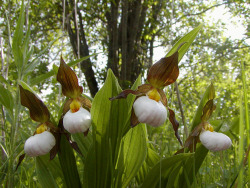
(124, 42)
(86, 65)
(113, 47)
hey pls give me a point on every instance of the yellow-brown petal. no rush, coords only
(69, 81)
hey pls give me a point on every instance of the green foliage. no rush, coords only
(185, 41)
(114, 155)
(68, 164)
(45, 177)
(109, 121)
(166, 168)
(6, 99)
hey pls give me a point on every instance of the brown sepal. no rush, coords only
(133, 119)
(193, 138)
(67, 135)
(73, 144)
(38, 111)
(21, 157)
(208, 110)
(164, 72)
(180, 151)
(86, 132)
(175, 124)
(56, 148)
(143, 89)
(69, 81)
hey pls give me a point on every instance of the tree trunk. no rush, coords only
(86, 65)
(113, 48)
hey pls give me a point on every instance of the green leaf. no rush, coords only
(53, 72)
(151, 160)
(68, 164)
(17, 40)
(54, 168)
(187, 39)
(73, 63)
(160, 173)
(109, 118)
(41, 78)
(132, 154)
(209, 94)
(83, 142)
(44, 175)
(6, 99)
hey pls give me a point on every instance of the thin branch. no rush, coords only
(181, 109)
(205, 10)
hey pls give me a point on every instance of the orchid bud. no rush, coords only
(215, 141)
(78, 121)
(150, 111)
(39, 144)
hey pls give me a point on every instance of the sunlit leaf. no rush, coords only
(163, 169)
(128, 163)
(151, 160)
(187, 39)
(17, 40)
(109, 120)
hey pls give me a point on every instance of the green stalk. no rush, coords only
(246, 112)
(241, 146)
(14, 127)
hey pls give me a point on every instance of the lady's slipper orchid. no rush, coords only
(151, 103)
(215, 141)
(76, 113)
(150, 111)
(78, 121)
(43, 140)
(41, 143)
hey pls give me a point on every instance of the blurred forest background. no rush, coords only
(128, 36)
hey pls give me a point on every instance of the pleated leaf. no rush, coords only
(109, 119)
(161, 172)
(44, 175)
(68, 164)
(132, 154)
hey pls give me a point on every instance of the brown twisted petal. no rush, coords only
(175, 124)
(38, 111)
(69, 81)
(163, 97)
(143, 89)
(208, 110)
